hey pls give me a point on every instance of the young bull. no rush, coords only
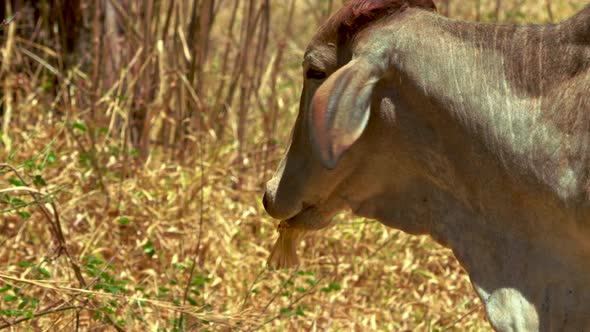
(477, 134)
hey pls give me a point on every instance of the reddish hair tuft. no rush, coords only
(356, 14)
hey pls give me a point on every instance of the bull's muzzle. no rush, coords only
(265, 201)
(280, 204)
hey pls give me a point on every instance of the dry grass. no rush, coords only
(135, 150)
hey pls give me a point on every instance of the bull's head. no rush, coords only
(342, 139)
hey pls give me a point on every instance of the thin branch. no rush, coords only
(37, 315)
(201, 219)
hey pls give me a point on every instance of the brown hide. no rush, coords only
(476, 134)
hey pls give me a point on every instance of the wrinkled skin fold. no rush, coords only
(478, 135)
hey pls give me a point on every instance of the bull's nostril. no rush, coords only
(265, 201)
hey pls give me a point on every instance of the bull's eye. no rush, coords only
(314, 74)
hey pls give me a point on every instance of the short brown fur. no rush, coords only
(477, 134)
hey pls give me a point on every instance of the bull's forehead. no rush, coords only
(323, 44)
(321, 56)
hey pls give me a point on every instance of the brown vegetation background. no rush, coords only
(135, 143)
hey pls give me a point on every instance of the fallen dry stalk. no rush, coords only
(184, 309)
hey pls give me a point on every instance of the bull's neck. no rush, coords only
(520, 97)
(522, 91)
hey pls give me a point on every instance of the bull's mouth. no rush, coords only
(298, 219)
(279, 208)
(309, 218)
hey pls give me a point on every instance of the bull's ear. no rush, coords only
(340, 110)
